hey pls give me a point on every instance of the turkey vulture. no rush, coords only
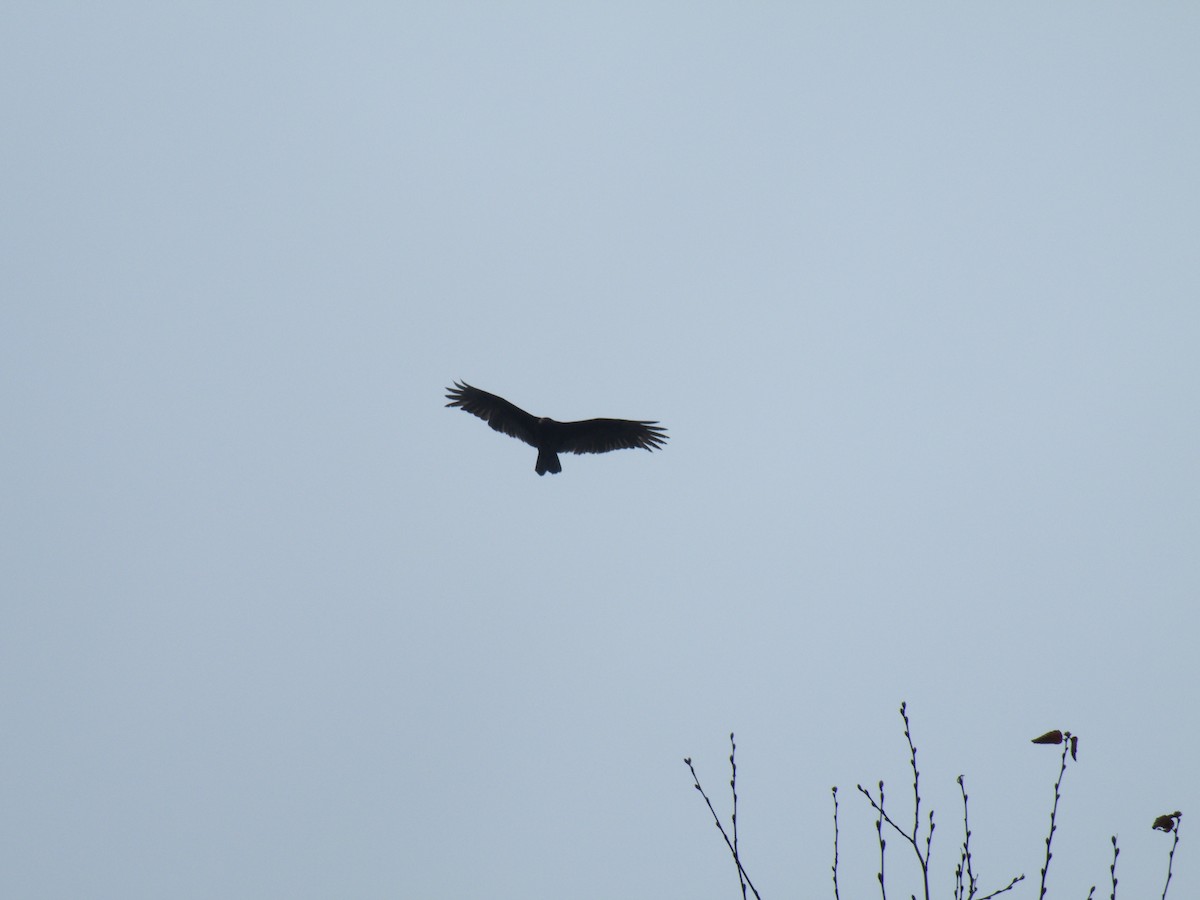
(550, 437)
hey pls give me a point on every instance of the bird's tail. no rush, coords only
(548, 462)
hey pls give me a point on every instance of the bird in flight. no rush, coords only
(550, 437)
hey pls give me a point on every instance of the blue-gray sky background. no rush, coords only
(914, 288)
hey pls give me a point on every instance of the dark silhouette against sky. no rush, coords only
(550, 437)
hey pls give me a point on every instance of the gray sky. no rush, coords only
(914, 288)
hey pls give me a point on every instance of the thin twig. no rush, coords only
(916, 775)
(882, 840)
(912, 749)
(733, 818)
(1171, 857)
(1008, 887)
(1054, 813)
(911, 838)
(964, 866)
(836, 896)
(1113, 868)
(717, 821)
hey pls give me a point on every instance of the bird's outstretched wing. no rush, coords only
(602, 435)
(496, 411)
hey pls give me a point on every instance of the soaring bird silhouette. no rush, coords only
(550, 437)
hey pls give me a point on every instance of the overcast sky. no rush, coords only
(914, 288)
